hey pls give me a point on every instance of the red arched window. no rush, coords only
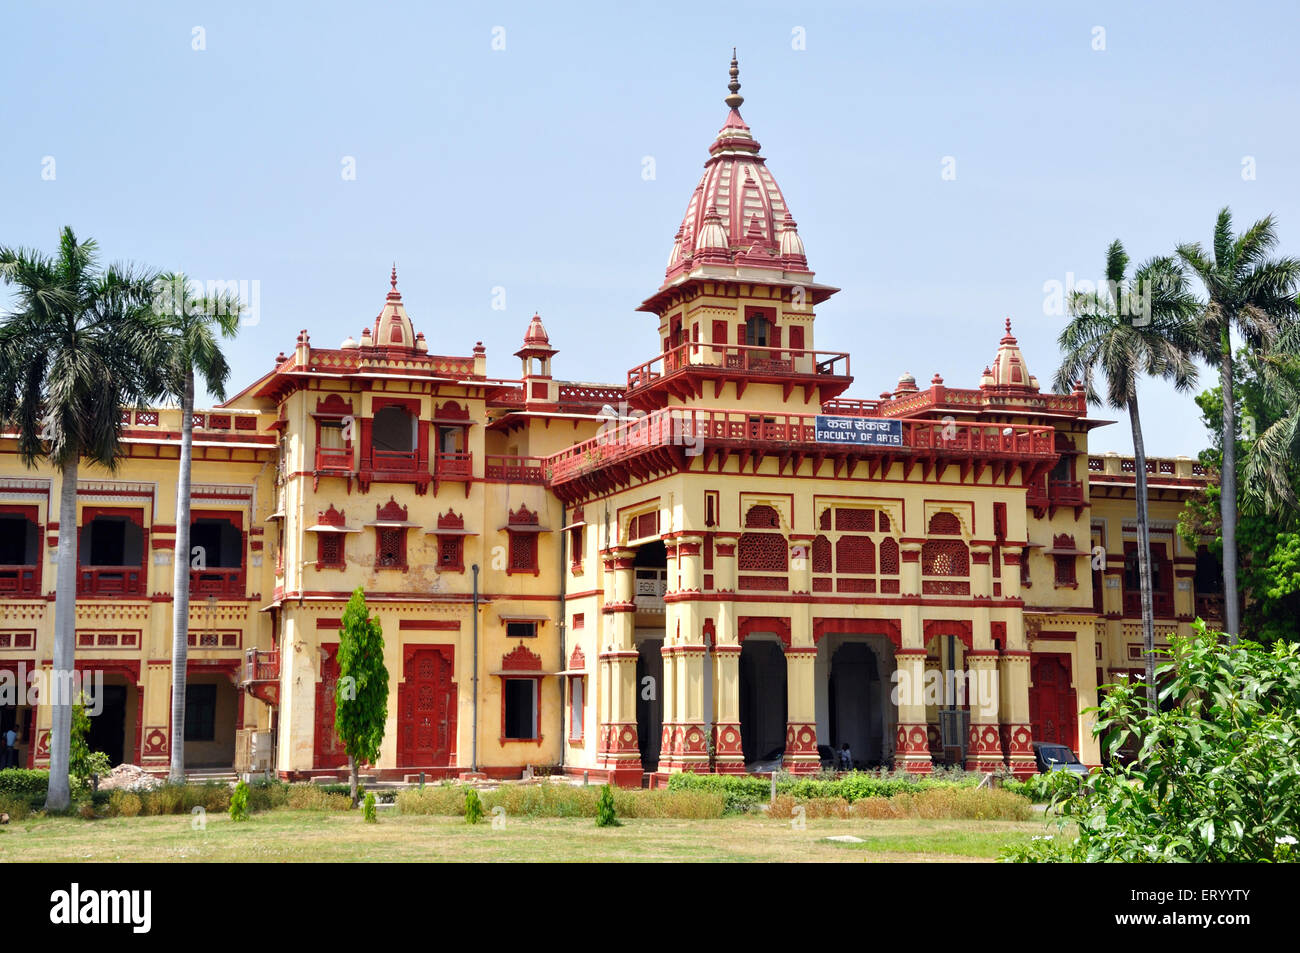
(762, 517)
(945, 557)
(855, 554)
(821, 554)
(945, 524)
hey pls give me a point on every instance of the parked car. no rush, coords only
(1056, 757)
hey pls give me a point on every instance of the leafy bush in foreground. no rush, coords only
(1216, 778)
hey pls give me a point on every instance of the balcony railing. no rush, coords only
(20, 580)
(1162, 603)
(453, 466)
(698, 429)
(394, 461)
(110, 581)
(222, 582)
(515, 469)
(1210, 607)
(739, 357)
(334, 458)
(261, 665)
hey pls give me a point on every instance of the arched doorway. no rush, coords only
(762, 698)
(853, 703)
(651, 575)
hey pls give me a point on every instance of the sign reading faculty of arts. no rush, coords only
(868, 431)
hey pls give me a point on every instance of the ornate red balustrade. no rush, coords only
(701, 430)
(261, 677)
(515, 469)
(223, 582)
(453, 466)
(763, 361)
(394, 461)
(110, 580)
(335, 460)
(20, 580)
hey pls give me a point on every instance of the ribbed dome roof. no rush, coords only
(1009, 370)
(737, 214)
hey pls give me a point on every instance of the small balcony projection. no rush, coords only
(20, 554)
(683, 370)
(217, 545)
(110, 556)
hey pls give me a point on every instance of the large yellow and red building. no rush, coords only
(722, 560)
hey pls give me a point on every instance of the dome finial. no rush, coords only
(735, 99)
(392, 279)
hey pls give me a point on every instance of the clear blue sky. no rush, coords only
(522, 168)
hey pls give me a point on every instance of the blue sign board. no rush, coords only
(860, 431)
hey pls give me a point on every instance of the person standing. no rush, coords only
(11, 748)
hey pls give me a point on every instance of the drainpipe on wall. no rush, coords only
(474, 719)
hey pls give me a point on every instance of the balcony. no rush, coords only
(20, 581)
(110, 581)
(394, 461)
(453, 466)
(1162, 602)
(683, 370)
(661, 440)
(508, 469)
(261, 676)
(1057, 494)
(224, 583)
(1209, 607)
(333, 460)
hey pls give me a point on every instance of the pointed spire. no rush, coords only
(735, 99)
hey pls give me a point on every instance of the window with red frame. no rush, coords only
(451, 553)
(390, 547)
(520, 709)
(329, 551)
(1065, 576)
(523, 553)
(575, 547)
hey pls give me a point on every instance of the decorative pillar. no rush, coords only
(984, 744)
(619, 754)
(801, 719)
(1017, 738)
(912, 744)
(728, 756)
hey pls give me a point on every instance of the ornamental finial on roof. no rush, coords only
(392, 279)
(1008, 325)
(735, 99)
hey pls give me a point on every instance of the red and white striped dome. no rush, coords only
(737, 215)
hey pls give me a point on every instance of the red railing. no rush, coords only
(590, 394)
(394, 460)
(1162, 603)
(515, 469)
(339, 458)
(1210, 607)
(697, 429)
(221, 582)
(851, 407)
(20, 580)
(261, 665)
(110, 581)
(739, 357)
(1065, 492)
(453, 466)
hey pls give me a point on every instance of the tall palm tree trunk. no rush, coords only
(1144, 548)
(181, 585)
(58, 797)
(1228, 499)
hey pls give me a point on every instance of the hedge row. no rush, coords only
(744, 792)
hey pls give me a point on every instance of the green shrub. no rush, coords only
(368, 808)
(123, 804)
(18, 808)
(606, 816)
(441, 799)
(473, 806)
(941, 803)
(239, 802)
(1216, 776)
(25, 785)
(747, 792)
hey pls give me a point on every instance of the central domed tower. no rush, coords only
(737, 297)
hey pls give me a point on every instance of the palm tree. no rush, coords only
(1254, 295)
(194, 327)
(1270, 468)
(78, 346)
(1126, 331)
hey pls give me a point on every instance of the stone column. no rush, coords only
(912, 744)
(984, 744)
(728, 757)
(801, 695)
(1014, 692)
(618, 753)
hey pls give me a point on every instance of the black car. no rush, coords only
(1051, 756)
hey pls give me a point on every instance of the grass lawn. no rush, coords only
(286, 835)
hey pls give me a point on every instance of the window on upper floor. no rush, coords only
(393, 430)
(390, 547)
(20, 551)
(757, 330)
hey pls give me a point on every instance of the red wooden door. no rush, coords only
(329, 749)
(1053, 704)
(426, 707)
